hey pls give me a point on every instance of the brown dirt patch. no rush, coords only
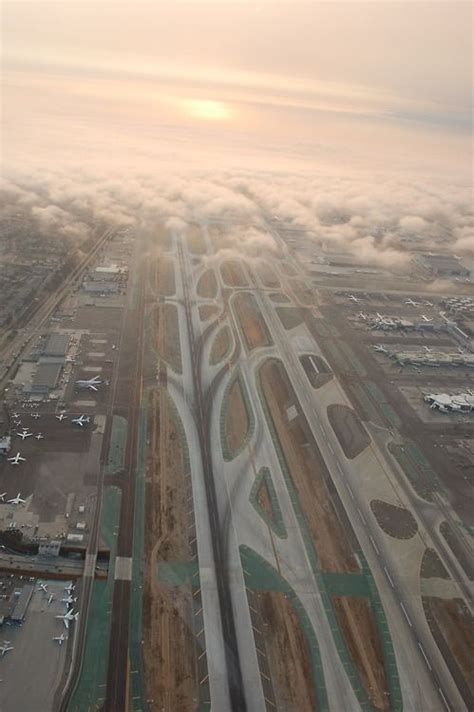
(220, 345)
(452, 627)
(355, 615)
(167, 330)
(395, 521)
(349, 430)
(237, 420)
(289, 316)
(288, 269)
(288, 654)
(195, 239)
(169, 649)
(251, 321)
(279, 297)
(268, 277)
(164, 276)
(206, 311)
(309, 473)
(458, 550)
(432, 566)
(233, 274)
(207, 285)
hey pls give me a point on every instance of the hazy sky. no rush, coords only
(265, 84)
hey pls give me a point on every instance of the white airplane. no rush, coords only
(60, 638)
(68, 600)
(5, 647)
(35, 415)
(15, 415)
(425, 318)
(381, 348)
(24, 434)
(91, 383)
(50, 599)
(17, 459)
(43, 587)
(2, 496)
(429, 304)
(353, 298)
(69, 588)
(412, 302)
(69, 617)
(61, 417)
(17, 499)
(40, 436)
(81, 420)
(361, 315)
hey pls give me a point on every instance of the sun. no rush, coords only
(208, 109)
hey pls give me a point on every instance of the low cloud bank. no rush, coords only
(378, 220)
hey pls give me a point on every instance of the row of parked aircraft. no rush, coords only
(67, 618)
(410, 301)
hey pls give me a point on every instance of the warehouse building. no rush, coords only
(57, 345)
(101, 287)
(45, 379)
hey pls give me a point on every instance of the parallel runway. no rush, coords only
(127, 404)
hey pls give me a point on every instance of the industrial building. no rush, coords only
(461, 403)
(45, 378)
(57, 345)
(101, 287)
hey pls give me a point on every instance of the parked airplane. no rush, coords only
(35, 415)
(17, 459)
(425, 318)
(60, 638)
(5, 647)
(81, 420)
(69, 588)
(40, 436)
(15, 415)
(412, 302)
(61, 417)
(50, 599)
(381, 348)
(2, 496)
(353, 298)
(429, 304)
(362, 315)
(68, 600)
(69, 617)
(24, 434)
(91, 383)
(43, 587)
(17, 499)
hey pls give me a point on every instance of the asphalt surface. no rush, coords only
(234, 671)
(128, 405)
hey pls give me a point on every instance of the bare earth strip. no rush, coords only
(453, 629)
(237, 420)
(355, 614)
(232, 274)
(207, 285)
(220, 346)
(169, 651)
(251, 321)
(288, 654)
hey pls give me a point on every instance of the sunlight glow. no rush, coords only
(208, 109)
